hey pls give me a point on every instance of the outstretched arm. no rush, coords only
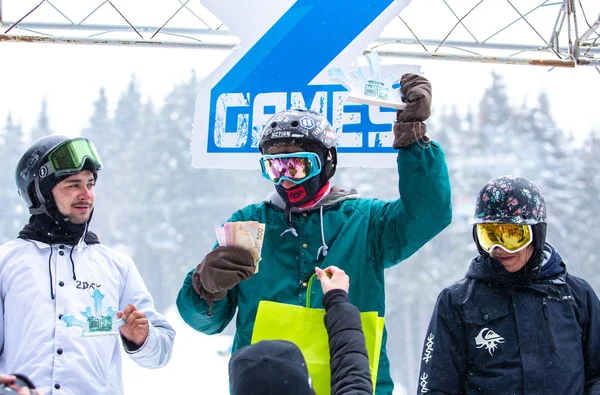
(424, 208)
(350, 372)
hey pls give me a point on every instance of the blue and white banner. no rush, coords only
(286, 50)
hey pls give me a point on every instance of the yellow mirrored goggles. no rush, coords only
(510, 237)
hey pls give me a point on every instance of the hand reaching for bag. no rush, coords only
(333, 278)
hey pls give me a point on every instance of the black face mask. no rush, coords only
(301, 193)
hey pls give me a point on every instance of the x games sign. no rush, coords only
(286, 49)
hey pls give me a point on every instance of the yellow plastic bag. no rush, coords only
(305, 327)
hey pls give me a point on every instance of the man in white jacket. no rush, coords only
(65, 299)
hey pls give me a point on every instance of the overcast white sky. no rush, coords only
(69, 77)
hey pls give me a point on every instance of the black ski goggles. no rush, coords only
(70, 157)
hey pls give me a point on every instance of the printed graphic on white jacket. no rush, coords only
(489, 339)
(98, 323)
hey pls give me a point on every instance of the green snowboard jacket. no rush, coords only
(362, 236)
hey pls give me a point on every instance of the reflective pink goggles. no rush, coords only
(296, 167)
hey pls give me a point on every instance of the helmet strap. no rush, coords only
(41, 209)
(328, 165)
(539, 241)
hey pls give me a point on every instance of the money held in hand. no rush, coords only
(245, 234)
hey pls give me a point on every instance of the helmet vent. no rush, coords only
(273, 124)
(295, 124)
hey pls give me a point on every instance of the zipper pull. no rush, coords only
(545, 308)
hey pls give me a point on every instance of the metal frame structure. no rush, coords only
(571, 39)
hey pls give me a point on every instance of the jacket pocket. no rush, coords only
(483, 315)
(491, 339)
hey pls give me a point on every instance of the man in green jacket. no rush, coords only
(311, 223)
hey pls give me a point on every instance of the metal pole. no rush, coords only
(226, 46)
(109, 28)
(464, 44)
(577, 41)
(593, 29)
(136, 43)
(569, 11)
(486, 59)
(560, 18)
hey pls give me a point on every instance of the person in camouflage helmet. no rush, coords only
(312, 223)
(518, 323)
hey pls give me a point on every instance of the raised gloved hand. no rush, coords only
(222, 269)
(409, 126)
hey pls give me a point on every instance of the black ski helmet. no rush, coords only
(33, 177)
(307, 129)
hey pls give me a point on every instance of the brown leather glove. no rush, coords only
(409, 126)
(222, 269)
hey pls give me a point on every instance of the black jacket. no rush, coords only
(349, 359)
(493, 334)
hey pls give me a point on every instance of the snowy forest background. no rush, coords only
(153, 205)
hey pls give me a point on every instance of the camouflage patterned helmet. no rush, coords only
(510, 200)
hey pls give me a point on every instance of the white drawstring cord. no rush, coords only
(324, 248)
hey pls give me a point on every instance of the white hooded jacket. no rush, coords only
(70, 344)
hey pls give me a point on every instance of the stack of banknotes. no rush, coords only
(245, 234)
